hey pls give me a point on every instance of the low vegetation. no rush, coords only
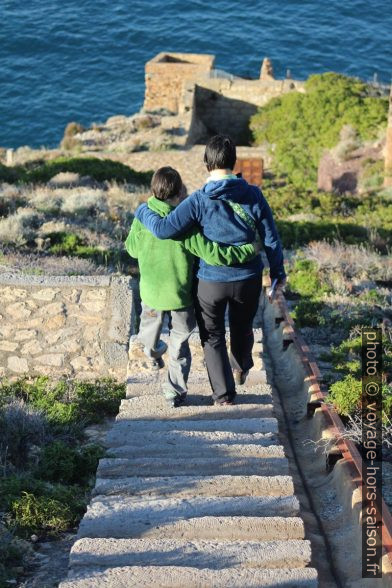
(101, 170)
(73, 216)
(301, 125)
(47, 465)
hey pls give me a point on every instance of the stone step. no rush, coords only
(124, 427)
(203, 466)
(182, 577)
(236, 528)
(189, 486)
(156, 408)
(292, 553)
(198, 384)
(196, 449)
(125, 517)
(170, 439)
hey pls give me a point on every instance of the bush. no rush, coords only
(68, 402)
(19, 228)
(372, 175)
(83, 202)
(37, 514)
(14, 487)
(67, 465)
(346, 396)
(307, 313)
(20, 427)
(69, 140)
(301, 126)
(100, 169)
(295, 234)
(304, 279)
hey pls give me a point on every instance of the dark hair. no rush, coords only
(220, 153)
(166, 183)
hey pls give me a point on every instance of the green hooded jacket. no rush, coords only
(166, 266)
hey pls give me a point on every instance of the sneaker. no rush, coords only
(240, 377)
(176, 401)
(224, 402)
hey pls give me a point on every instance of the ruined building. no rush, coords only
(208, 100)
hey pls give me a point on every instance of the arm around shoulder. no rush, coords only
(180, 220)
(215, 254)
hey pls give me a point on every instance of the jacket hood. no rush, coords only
(159, 206)
(228, 189)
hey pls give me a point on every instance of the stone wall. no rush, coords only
(165, 75)
(225, 106)
(65, 326)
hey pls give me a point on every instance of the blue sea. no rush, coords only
(83, 60)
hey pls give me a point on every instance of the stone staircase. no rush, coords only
(198, 496)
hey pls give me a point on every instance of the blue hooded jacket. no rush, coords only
(208, 209)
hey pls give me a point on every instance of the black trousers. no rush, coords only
(242, 298)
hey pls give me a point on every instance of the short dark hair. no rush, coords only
(220, 153)
(166, 183)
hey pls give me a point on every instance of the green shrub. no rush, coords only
(13, 487)
(304, 279)
(34, 514)
(68, 402)
(295, 234)
(345, 395)
(372, 174)
(67, 465)
(346, 357)
(100, 169)
(307, 313)
(98, 399)
(302, 125)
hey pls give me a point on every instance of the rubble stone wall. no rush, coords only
(65, 326)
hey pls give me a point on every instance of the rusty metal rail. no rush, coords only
(347, 448)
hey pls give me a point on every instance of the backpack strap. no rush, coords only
(241, 212)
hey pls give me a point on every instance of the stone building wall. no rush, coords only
(209, 101)
(165, 75)
(65, 326)
(225, 106)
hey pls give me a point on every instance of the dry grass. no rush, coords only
(20, 227)
(350, 261)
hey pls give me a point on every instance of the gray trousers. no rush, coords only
(181, 324)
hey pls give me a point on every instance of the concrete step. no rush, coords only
(236, 528)
(125, 517)
(198, 384)
(203, 466)
(292, 553)
(176, 439)
(189, 486)
(156, 407)
(190, 450)
(122, 428)
(182, 577)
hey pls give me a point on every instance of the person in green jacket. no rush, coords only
(166, 282)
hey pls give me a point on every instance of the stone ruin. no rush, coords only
(205, 101)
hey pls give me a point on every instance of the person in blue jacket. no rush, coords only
(228, 210)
